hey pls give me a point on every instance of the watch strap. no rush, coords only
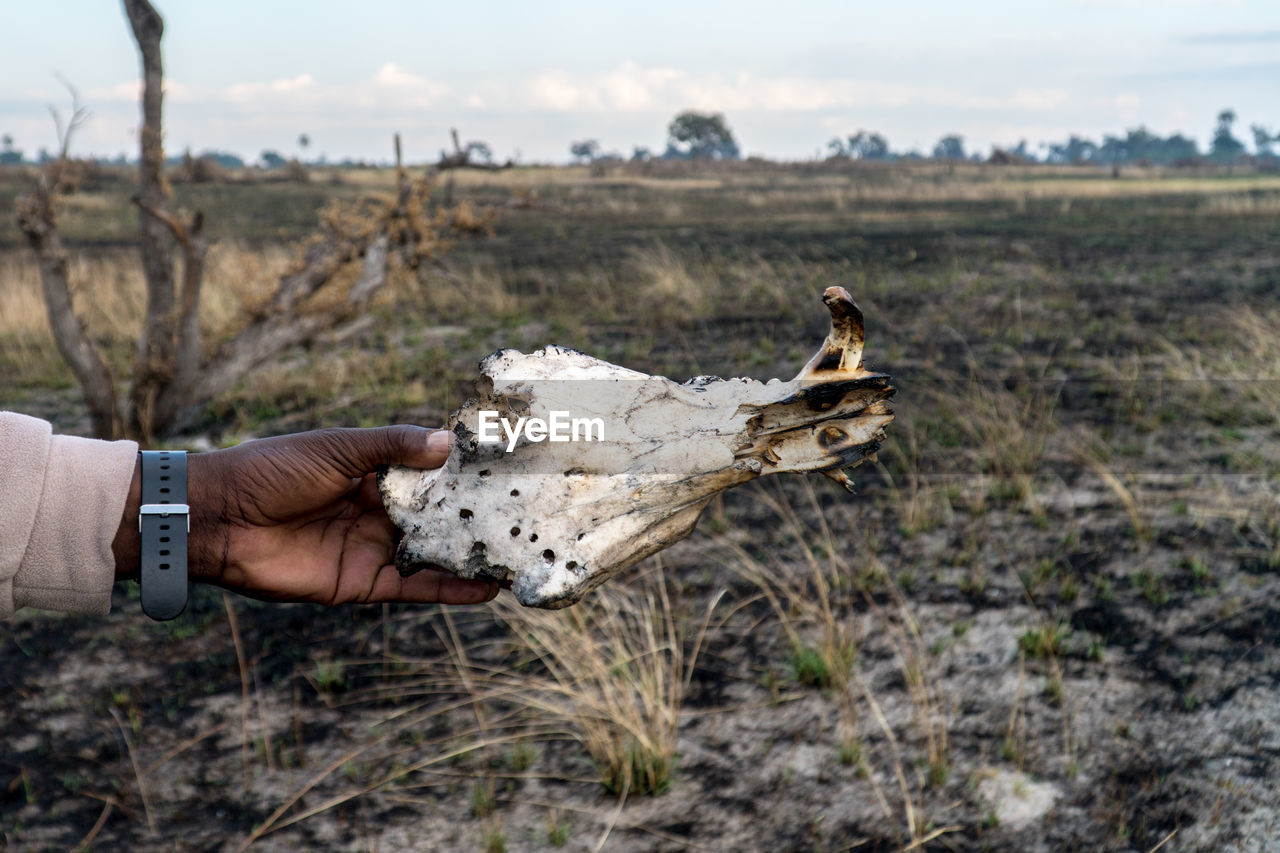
(164, 523)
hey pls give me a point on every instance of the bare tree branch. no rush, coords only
(79, 115)
(36, 218)
(172, 396)
(283, 328)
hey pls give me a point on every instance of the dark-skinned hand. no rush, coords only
(298, 518)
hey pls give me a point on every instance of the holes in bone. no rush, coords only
(515, 531)
(477, 562)
(465, 514)
(515, 493)
(571, 565)
(549, 555)
(533, 537)
(832, 436)
(485, 473)
(580, 535)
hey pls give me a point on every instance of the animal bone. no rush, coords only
(558, 518)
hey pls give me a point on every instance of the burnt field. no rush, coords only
(1047, 619)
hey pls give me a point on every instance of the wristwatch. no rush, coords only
(164, 522)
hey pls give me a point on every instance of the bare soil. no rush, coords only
(1143, 541)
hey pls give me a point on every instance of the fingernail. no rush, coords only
(440, 441)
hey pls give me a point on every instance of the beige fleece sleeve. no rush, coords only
(60, 508)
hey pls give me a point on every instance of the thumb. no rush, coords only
(357, 452)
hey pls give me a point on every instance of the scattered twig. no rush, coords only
(244, 685)
(107, 806)
(137, 773)
(183, 747)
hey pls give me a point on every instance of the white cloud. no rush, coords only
(553, 90)
(130, 91)
(1126, 106)
(1038, 99)
(633, 88)
(392, 87)
(747, 92)
(247, 93)
(394, 76)
(628, 88)
(1155, 6)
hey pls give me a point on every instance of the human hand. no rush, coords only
(298, 518)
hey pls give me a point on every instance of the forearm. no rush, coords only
(126, 545)
(62, 504)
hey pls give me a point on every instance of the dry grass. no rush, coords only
(809, 596)
(1004, 425)
(921, 499)
(109, 293)
(108, 290)
(1095, 454)
(671, 287)
(1250, 358)
(814, 581)
(614, 675)
(476, 286)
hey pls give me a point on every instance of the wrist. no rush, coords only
(207, 541)
(207, 545)
(126, 547)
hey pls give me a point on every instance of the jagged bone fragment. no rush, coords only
(557, 519)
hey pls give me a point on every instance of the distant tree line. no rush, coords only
(695, 135)
(1137, 145)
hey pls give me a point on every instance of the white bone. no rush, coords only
(557, 519)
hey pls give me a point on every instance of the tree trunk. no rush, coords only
(36, 219)
(156, 357)
(173, 395)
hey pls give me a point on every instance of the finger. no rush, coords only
(357, 452)
(430, 586)
(367, 495)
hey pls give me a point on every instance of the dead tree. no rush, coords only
(37, 217)
(175, 374)
(474, 155)
(156, 359)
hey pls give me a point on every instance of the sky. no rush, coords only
(529, 78)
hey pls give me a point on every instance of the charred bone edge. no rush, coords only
(485, 514)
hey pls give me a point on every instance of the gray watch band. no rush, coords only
(164, 521)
